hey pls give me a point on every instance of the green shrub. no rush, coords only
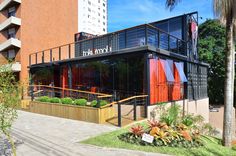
(94, 103)
(44, 99)
(103, 102)
(80, 102)
(55, 100)
(66, 101)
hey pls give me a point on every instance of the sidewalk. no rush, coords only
(50, 136)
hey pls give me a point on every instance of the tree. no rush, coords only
(226, 12)
(211, 51)
(9, 101)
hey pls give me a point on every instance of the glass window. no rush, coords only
(135, 37)
(11, 33)
(110, 75)
(11, 54)
(163, 26)
(11, 11)
(172, 26)
(42, 76)
(175, 27)
(152, 37)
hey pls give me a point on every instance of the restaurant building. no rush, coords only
(158, 59)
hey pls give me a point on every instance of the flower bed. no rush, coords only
(171, 130)
(78, 109)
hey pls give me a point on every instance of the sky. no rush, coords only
(127, 13)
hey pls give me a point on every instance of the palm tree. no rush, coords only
(225, 10)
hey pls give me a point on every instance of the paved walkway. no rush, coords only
(50, 136)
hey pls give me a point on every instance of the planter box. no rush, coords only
(83, 113)
(24, 105)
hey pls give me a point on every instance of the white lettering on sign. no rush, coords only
(97, 51)
(147, 138)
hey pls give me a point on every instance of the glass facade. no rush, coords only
(122, 75)
(172, 26)
(42, 76)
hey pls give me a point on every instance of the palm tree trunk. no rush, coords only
(229, 84)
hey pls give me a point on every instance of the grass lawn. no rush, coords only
(211, 146)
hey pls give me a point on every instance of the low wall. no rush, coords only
(197, 107)
(217, 118)
(83, 113)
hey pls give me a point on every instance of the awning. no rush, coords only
(180, 67)
(167, 70)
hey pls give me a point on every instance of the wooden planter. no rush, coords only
(83, 113)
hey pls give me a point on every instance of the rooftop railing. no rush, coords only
(143, 35)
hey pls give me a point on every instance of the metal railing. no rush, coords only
(140, 100)
(143, 35)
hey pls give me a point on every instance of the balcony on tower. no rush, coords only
(8, 3)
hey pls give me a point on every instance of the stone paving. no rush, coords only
(50, 136)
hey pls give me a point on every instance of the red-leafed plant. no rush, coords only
(153, 123)
(137, 130)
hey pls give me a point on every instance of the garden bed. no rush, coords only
(83, 113)
(211, 146)
(171, 134)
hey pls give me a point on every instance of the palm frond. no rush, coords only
(170, 4)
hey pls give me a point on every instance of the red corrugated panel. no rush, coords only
(176, 92)
(162, 86)
(153, 81)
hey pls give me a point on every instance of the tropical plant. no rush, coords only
(67, 101)
(171, 116)
(153, 123)
(186, 135)
(137, 130)
(188, 120)
(9, 102)
(173, 134)
(80, 102)
(163, 136)
(226, 12)
(154, 131)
